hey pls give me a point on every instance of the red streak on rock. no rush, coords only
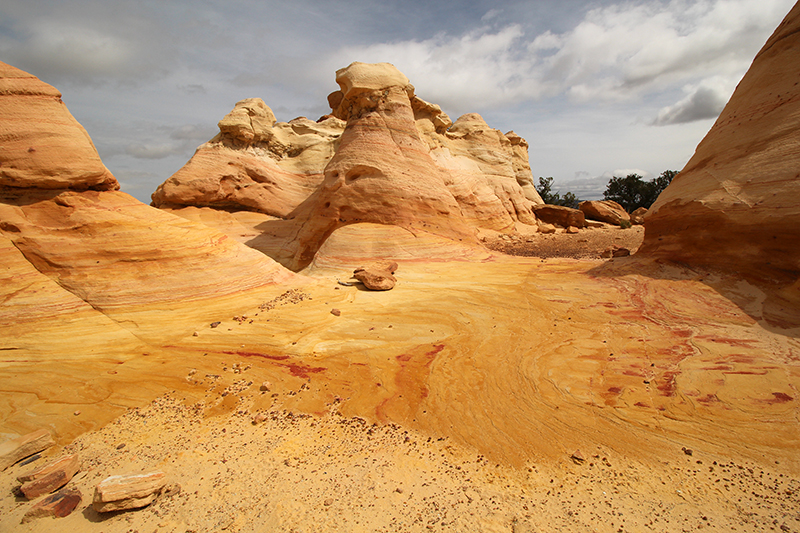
(780, 398)
(709, 398)
(747, 372)
(640, 404)
(302, 371)
(256, 354)
(721, 367)
(667, 388)
(726, 340)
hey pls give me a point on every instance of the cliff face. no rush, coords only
(735, 204)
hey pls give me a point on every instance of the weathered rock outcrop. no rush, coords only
(102, 246)
(41, 143)
(255, 163)
(400, 161)
(735, 204)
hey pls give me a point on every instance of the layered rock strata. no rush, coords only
(734, 206)
(41, 143)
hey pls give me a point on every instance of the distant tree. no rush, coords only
(545, 190)
(632, 192)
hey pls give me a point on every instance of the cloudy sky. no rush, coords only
(598, 88)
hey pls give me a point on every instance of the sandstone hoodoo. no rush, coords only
(734, 205)
(399, 161)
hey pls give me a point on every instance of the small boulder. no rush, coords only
(117, 493)
(57, 505)
(572, 230)
(615, 251)
(336, 312)
(50, 477)
(604, 211)
(547, 229)
(559, 215)
(377, 276)
(637, 217)
(15, 450)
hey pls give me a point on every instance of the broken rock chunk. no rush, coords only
(377, 276)
(50, 477)
(17, 449)
(57, 505)
(117, 493)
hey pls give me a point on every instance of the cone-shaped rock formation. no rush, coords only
(735, 204)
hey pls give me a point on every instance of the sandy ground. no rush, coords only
(452, 403)
(588, 243)
(303, 473)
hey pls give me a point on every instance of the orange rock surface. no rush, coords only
(41, 144)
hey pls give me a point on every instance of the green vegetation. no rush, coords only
(632, 192)
(554, 198)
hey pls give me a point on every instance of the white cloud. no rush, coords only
(616, 53)
(704, 100)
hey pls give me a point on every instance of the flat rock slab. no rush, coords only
(49, 477)
(14, 450)
(57, 505)
(117, 493)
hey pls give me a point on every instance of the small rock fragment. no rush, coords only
(572, 230)
(265, 386)
(546, 228)
(336, 312)
(687, 451)
(50, 477)
(577, 457)
(615, 251)
(57, 505)
(12, 451)
(215, 324)
(260, 417)
(117, 493)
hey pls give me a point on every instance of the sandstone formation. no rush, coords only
(58, 505)
(509, 391)
(734, 206)
(41, 144)
(414, 167)
(605, 211)
(254, 163)
(637, 216)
